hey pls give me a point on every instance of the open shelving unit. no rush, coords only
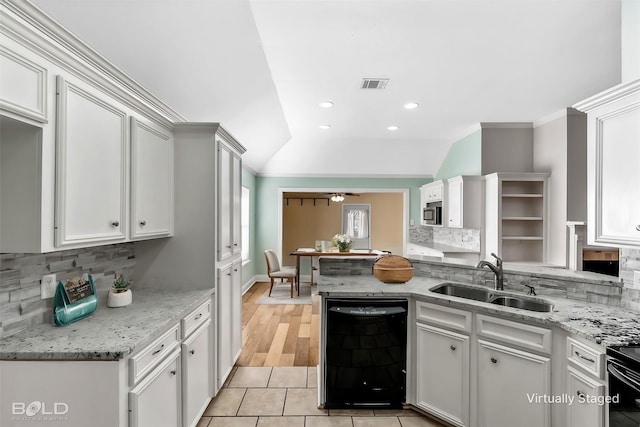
(515, 226)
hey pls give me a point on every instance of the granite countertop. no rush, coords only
(602, 324)
(109, 333)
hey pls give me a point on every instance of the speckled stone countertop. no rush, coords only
(602, 324)
(446, 249)
(109, 333)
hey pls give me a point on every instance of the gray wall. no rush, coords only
(507, 147)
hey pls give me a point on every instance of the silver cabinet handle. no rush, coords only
(192, 352)
(638, 227)
(116, 223)
(584, 357)
(235, 244)
(173, 372)
(158, 350)
(452, 347)
(581, 395)
(198, 316)
(494, 360)
(143, 223)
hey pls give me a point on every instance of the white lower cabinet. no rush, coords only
(442, 371)
(584, 411)
(196, 368)
(512, 385)
(229, 319)
(156, 401)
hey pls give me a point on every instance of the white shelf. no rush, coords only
(522, 218)
(523, 195)
(522, 238)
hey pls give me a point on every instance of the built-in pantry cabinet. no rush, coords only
(613, 156)
(75, 149)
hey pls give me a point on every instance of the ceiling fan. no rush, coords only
(339, 196)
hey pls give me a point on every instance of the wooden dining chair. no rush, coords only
(274, 271)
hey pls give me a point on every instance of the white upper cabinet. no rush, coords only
(463, 203)
(23, 86)
(613, 156)
(91, 172)
(229, 199)
(91, 149)
(151, 181)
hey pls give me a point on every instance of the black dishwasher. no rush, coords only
(366, 353)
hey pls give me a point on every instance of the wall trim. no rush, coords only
(551, 117)
(329, 175)
(249, 284)
(506, 125)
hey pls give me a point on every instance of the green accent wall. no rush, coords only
(464, 157)
(264, 210)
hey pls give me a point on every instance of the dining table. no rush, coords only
(310, 252)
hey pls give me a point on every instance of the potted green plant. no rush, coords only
(120, 295)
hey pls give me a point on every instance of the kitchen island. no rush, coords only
(476, 363)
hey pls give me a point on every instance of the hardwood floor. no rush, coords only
(278, 335)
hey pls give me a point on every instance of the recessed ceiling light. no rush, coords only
(326, 104)
(411, 105)
(393, 127)
(325, 127)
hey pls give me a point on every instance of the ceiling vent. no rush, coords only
(374, 83)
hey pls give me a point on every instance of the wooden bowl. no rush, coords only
(393, 269)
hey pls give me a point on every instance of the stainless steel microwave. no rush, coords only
(432, 214)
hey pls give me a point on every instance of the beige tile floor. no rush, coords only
(287, 397)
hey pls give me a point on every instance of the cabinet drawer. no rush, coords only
(197, 317)
(586, 357)
(518, 334)
(149, 357)
(445, 317)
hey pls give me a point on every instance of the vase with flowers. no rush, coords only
(342, 241)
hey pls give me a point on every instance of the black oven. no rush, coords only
(623, 369)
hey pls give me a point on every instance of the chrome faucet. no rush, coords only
(497, 270)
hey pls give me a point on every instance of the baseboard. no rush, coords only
(248, 284)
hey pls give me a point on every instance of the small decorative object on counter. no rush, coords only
(120, 295)
(342, 241)
(393, 269)
(74, 300)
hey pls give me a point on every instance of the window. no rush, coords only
(244, 222)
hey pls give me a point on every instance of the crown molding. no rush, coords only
(506, 125)
(28, 25)
(610, 95)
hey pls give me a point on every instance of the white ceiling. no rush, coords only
(260, 67)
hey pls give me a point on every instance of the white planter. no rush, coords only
(120, 299)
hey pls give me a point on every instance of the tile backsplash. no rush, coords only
(20, 274)
(629, 262)
(466, 238)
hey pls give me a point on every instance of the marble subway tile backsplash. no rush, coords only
(466, 238)
(20, 274)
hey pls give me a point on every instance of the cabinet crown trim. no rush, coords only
(610, 95)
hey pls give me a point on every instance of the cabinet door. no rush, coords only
(454, 204)
(225, 180)
(443, 374)
(582, 412)
(613, 175)
(156, 400)
(224, 295)
(91, 160)
(236, 310)
(511, 387)
(236, 202)
(151, 181)
(196, 374)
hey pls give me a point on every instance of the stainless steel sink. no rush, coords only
(522, 303)
(461, 291)
(487, 295)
